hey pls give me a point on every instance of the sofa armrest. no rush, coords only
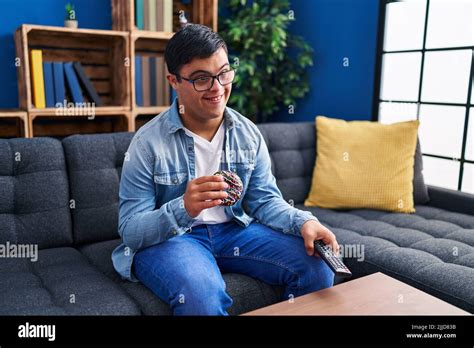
(452, 200)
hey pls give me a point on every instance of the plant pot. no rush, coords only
(71, 23)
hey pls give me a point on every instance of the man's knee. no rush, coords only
(317, 275)
(201, 297)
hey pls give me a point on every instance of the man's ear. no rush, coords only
(172, 80)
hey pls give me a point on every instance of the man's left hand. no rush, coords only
(313, 230)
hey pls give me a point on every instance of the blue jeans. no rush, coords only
(185, 271)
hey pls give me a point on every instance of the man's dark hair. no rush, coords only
(190, 42)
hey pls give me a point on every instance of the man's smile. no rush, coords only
(214, 99)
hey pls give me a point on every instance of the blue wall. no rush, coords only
(337, 29)
(95, 14)
(334, 28)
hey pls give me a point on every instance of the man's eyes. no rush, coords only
(202, 78)
(206, 78)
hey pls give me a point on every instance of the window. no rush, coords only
(426, 73)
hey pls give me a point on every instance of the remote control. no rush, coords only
(337, 266)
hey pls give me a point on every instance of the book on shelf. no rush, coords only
(48, 84)
(138, 81)
(87, 84)
(154, 15)
(153, 80)
(56, 82)
(37, 79)
(59, 86)
(166, 87)
(73, 84)
(146, 15)
(139, 14)
(160, 81)
(146, 81)
(167, 15)
(159, 16)
(151, 86)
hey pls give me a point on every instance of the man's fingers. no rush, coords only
(330, 239)
(335, 247)
(309, 246)
(212, 186)
(208, 178)
(209, 204)
(204, 196)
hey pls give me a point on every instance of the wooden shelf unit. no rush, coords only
(103, 54)
(146, 43)
(108, 58)
(153, 43)
(14, 124)
(143, 114)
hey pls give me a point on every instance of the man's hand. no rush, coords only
(313, 230)
(204, 192)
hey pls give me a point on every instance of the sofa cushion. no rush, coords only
(293, 153)
(60, 282)
(364, 164)
(247, 293)
(34, 191)
(95, 164)
(432, 250)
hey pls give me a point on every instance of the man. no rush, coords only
(177, 237)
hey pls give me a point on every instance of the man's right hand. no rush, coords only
(204, 192)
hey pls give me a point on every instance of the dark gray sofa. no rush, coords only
(63, 196)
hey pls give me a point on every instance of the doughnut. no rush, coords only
(235, 188)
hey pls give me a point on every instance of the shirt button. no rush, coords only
(175, 181)
(174, 232)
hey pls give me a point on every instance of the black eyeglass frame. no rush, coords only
(214, 77)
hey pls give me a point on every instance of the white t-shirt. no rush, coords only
(207, 162)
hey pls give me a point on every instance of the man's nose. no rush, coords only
(216, 87)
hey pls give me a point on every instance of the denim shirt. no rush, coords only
(157, 167)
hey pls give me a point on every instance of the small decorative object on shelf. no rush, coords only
(182, 19)
(70, 21)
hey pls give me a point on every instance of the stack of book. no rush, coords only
(154, 15)
(151, 86)
(56, 83)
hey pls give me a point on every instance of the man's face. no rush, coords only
(203, 105)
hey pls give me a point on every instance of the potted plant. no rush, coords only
(70, 21)
(271, 63)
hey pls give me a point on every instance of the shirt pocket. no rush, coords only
(170, 178)
(244, 171)
(169, 185)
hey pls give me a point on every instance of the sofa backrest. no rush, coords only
(95, 164)
(57, 195)
(292, 148)
(34, 193)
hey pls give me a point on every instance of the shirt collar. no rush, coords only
(175, 123)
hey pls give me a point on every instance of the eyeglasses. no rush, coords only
(205, 83)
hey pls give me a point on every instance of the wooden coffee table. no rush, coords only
(375, 294)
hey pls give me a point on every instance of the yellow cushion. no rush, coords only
(362, 164)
